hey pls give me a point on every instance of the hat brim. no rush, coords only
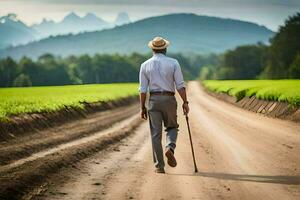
(150, 45)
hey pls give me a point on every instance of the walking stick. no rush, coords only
(188, 125)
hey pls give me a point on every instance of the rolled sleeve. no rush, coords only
(178, 77)
(144, 82)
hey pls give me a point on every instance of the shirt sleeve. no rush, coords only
(144, 82)
(178, 77)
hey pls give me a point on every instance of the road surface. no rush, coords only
(240, 155)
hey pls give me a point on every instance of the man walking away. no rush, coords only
(161, 75)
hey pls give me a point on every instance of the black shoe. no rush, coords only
(171, 158)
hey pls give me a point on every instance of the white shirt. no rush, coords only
(160, 73)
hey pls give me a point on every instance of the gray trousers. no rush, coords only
(162, 109)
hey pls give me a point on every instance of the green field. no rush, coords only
(14, 101)
(278, 90)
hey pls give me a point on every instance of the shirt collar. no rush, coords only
(159, 55)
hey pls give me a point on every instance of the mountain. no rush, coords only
(14, 32)
(122, 18)
(186, 32)
(72, 23)
(45, 28)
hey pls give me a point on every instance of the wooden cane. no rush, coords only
(188, 125)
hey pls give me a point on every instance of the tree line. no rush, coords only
(101, 68)
(278, 60)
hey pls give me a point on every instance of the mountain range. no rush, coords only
(187, 33)
(72, 23)
(14, 32)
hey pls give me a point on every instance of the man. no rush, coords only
(161, 75)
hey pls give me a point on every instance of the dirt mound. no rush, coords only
(23, 124)
(273, 109)
(25, 145)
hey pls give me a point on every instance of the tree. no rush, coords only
(72, 69)
(294, 70)
(244, 62)
(8, 71)
(31, 69)
(53, 70)
(85, 69)
(22, 81)
(207, 72)
(136, 60)
(284, 48)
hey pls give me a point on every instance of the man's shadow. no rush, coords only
(278, 179)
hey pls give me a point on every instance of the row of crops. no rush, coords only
(278, 90)
(15, 101)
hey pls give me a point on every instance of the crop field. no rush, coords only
(14, 101)
(278, 90)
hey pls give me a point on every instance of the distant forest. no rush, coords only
(50, 70)
(279, 60)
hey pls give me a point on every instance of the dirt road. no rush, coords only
(240, 155)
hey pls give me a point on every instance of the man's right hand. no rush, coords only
(185, 108)
(144, 113)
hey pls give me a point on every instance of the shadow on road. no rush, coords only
(279, 179)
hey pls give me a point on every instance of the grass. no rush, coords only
(15, 101)
(277, 90)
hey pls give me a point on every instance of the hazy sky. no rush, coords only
(270, 13)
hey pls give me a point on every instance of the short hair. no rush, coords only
(163, 51)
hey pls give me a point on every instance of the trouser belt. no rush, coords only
(167, 93)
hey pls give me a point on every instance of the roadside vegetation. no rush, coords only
(277, 90)
(278, 60)
(15, 101)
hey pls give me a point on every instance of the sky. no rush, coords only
(270, 13)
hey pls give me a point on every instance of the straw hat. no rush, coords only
(158, 43)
